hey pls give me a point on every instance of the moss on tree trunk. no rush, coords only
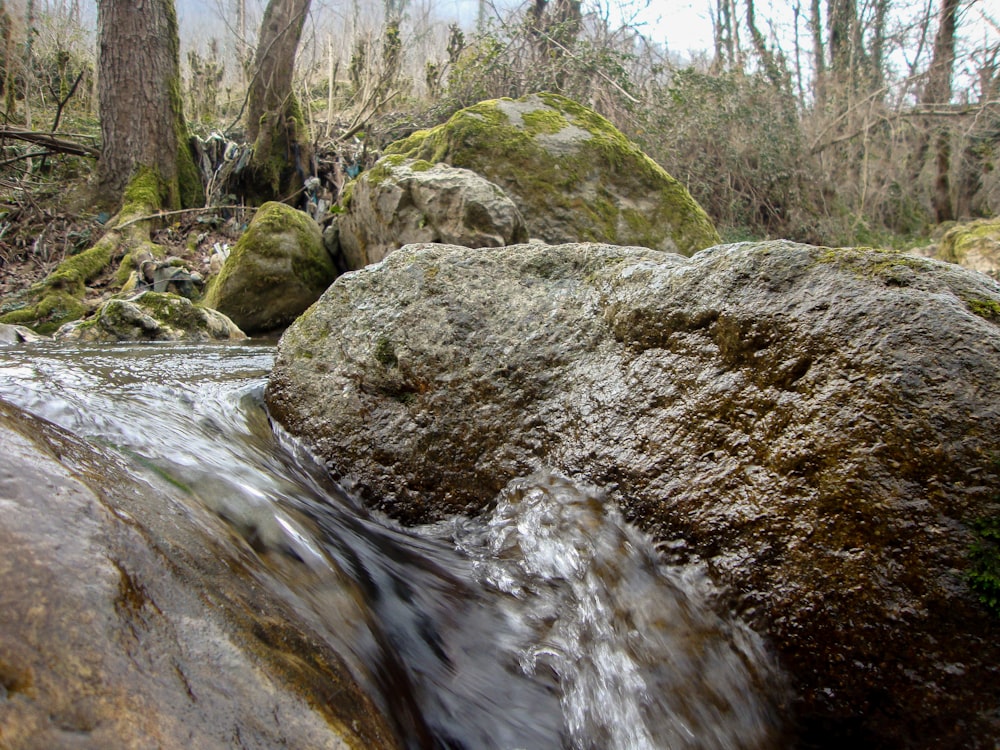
(275, 123)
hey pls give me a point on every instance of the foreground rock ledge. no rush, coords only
(122, 625)
(819, 425)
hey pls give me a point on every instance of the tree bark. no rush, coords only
(274, 120)
(847, 58)
(142, 121)
(938, 91)
(819, 55)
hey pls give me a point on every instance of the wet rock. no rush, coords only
(124, 624)
(10, 334)
(402, 201)
(819, 426)
(151, 316)
(275, 271)
(572, 174)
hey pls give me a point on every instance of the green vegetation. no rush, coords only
(985, 308)
(890, 266)
(984, 557)
(385, 352)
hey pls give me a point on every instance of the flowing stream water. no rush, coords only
(548, 623)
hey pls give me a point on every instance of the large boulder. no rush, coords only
(402, 201)
(151, 316)
(125, 624)
(572, 174)
(819, 426)
(275, 271)
(975, 245)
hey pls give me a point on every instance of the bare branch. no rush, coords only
(51, 142)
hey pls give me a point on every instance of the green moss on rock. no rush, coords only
(984, 572)
(554, 157)
(958, 241)
(891, 267)
(984, 308)
(275, 271)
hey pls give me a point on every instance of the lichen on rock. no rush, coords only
(572, 174)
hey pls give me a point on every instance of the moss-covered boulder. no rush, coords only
(572, 174)
(401, 201)
(275, 271)
(820, 427)
(975, 245)
(152, 316)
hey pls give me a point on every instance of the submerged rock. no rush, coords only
(151, 316)
(275, 271)
(819, 426)
(401, 201)
(572, 174)
(124, 625)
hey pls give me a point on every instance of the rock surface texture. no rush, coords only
(275, 271)
(401, 201)
(572, 174)
(151, 316)
(123, 626)
(820, 426)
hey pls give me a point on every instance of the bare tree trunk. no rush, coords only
(6, 37)
(29, 64)
(274, 120)
(878, 45)
(142, 122)
(796, 12)
(725, 55)
(771, 68)
(938, 91)
(846, 53)
(819, 55)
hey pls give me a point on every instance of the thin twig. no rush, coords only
(161, 214)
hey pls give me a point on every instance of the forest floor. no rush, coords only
(39, 227)
(34, 240)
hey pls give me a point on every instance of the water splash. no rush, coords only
(640, 658)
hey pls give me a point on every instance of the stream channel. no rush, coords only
(548, 623)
